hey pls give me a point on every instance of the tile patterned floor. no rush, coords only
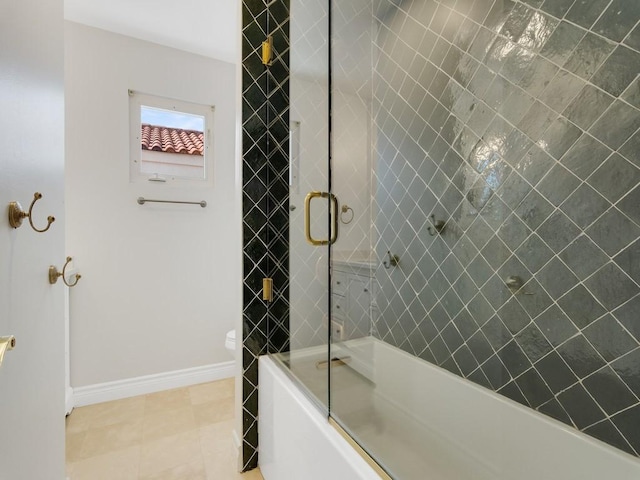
(181, 434)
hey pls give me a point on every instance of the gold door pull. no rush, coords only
(54, 274)
(307, 218)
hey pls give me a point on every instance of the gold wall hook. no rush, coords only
(54, 274)
(16, 214)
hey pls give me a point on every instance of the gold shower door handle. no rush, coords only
(307, 218)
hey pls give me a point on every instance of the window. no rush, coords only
(170, 139)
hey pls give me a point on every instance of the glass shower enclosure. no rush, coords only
(452, 182)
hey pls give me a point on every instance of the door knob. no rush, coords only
(6, 344)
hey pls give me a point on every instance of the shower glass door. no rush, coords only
(444, 220)
(310, 204)
(355, 259)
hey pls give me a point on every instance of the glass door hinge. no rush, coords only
(267, 51)
(267, 289)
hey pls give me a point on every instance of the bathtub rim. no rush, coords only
(360, 466)
(278, 360)
(625, 461)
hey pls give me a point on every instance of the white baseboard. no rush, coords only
(68, 400)
(131, 387)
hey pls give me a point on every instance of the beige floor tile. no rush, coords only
(221, 466)
(209, 392)
(120, 465)
(167, 400)
(180, 434)
(168, 452)
(190, 471)
(217, 437)
(168, 422)
(82, 415)
(220, 454)
(118, 436)
(214, 412)
(75, 423)
(73, 446)
(254, 474)
(109, 413)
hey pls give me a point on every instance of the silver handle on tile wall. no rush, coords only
(438, 226)
(515, 284)
(391, 260)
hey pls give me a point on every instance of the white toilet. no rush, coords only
(230, 341)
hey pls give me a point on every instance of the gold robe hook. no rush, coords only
(16, 214)
(54, 274)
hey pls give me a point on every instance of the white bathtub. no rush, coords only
(440, 428)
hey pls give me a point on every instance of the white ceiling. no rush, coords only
(205, 27)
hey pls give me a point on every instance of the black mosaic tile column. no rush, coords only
(517, 123)
(265, 130)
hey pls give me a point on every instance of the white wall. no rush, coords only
(159, 287)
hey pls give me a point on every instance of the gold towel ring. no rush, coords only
(345, 209)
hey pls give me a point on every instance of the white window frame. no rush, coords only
(136, 101)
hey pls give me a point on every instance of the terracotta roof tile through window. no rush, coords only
(171, 140)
